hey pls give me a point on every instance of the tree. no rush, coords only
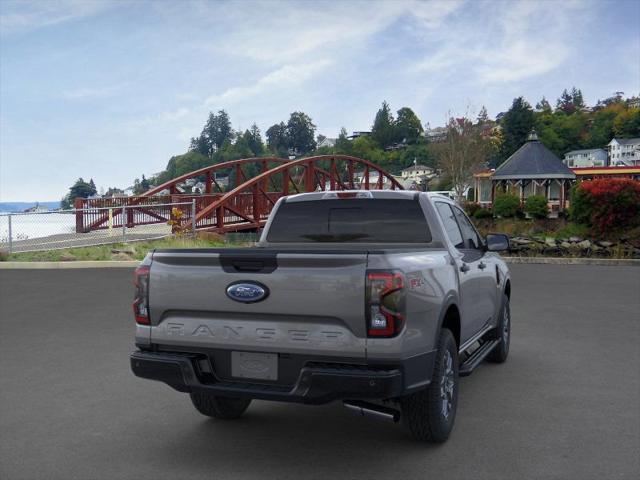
(216, 131)
(565, 103)
(483, 116)
(408, 126)
(301, 133)
(343, 144)
(543, 106)
(253, 138)
(277, 139)
(517, 123)
(576, 99)
(80, 189)
(627, 124)
(382, 130)
(463, 151)
(200, 145)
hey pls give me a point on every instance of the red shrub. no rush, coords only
(607, 204)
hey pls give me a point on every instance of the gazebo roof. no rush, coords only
(532, 160)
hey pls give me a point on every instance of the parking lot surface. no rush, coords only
(565, 405)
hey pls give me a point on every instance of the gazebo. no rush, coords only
(532, 170)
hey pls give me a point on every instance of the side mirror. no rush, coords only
(497, 242)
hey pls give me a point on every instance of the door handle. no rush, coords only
(482, 266)
(464, 268)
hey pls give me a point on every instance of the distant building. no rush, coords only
(592, 173)
(532, 170)
(417, 172)
(327, 142)
(624, 152)
(355, 135)
(594, 157)
(435, 135)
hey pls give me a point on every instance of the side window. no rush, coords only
(450, 224)
(469, 234)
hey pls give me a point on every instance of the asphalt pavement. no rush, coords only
(566, 405)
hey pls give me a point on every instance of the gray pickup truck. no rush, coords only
(380, 299)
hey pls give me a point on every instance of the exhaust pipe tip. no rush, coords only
(363, 409)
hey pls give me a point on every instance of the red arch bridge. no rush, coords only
(252, 187)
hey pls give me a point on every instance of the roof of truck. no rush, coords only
(333, 194)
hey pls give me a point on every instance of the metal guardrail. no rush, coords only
(57, 229)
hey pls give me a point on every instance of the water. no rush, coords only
(29, 226)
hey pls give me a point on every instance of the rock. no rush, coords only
(126, 251)
(67, 257)
(575, 239)
(606, 244)
(584, 244)
(566, 245)
(520, 241)
(550, 241)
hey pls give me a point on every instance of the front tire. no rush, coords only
(430, 413)
(503, 333)
(225, 408)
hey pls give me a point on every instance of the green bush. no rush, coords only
(536, 206)
(506, 205)
(471, 208)
(481, 213)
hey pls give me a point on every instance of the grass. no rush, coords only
(119, 251)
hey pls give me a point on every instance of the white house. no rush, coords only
(594, 157)
(327, 142)
(417, 172)
(624, 152)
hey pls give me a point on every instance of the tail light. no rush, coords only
(385, 303)
(141, 299)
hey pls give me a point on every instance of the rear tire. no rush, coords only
(503, 332)
(430, 413)
(225, 408)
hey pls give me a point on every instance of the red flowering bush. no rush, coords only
(607, 204)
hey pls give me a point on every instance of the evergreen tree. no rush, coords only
(382, 130)
(253, 139)
(216, 131)
(543, 106)
(565, 103)
(517, 123)
(408, 126)
(483, 116)
(343, 144)
(576, 99)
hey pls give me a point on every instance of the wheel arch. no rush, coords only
(450, 319)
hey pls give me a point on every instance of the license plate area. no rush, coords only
(254, 365)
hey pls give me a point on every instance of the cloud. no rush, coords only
(526, 40)
(23, 15)
(285, 77)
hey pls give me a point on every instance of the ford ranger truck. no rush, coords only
(379, 299)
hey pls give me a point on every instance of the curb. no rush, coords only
(69, 265)
(612, 262)
(134, 263)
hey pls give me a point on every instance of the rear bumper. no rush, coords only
(317, 383)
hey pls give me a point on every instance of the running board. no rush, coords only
(467, 367)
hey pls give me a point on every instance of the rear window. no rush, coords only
(363, 220)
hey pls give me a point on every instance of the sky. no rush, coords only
(110, 90)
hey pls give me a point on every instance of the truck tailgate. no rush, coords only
(315, 302)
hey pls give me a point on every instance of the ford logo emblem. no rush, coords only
(247, 292)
